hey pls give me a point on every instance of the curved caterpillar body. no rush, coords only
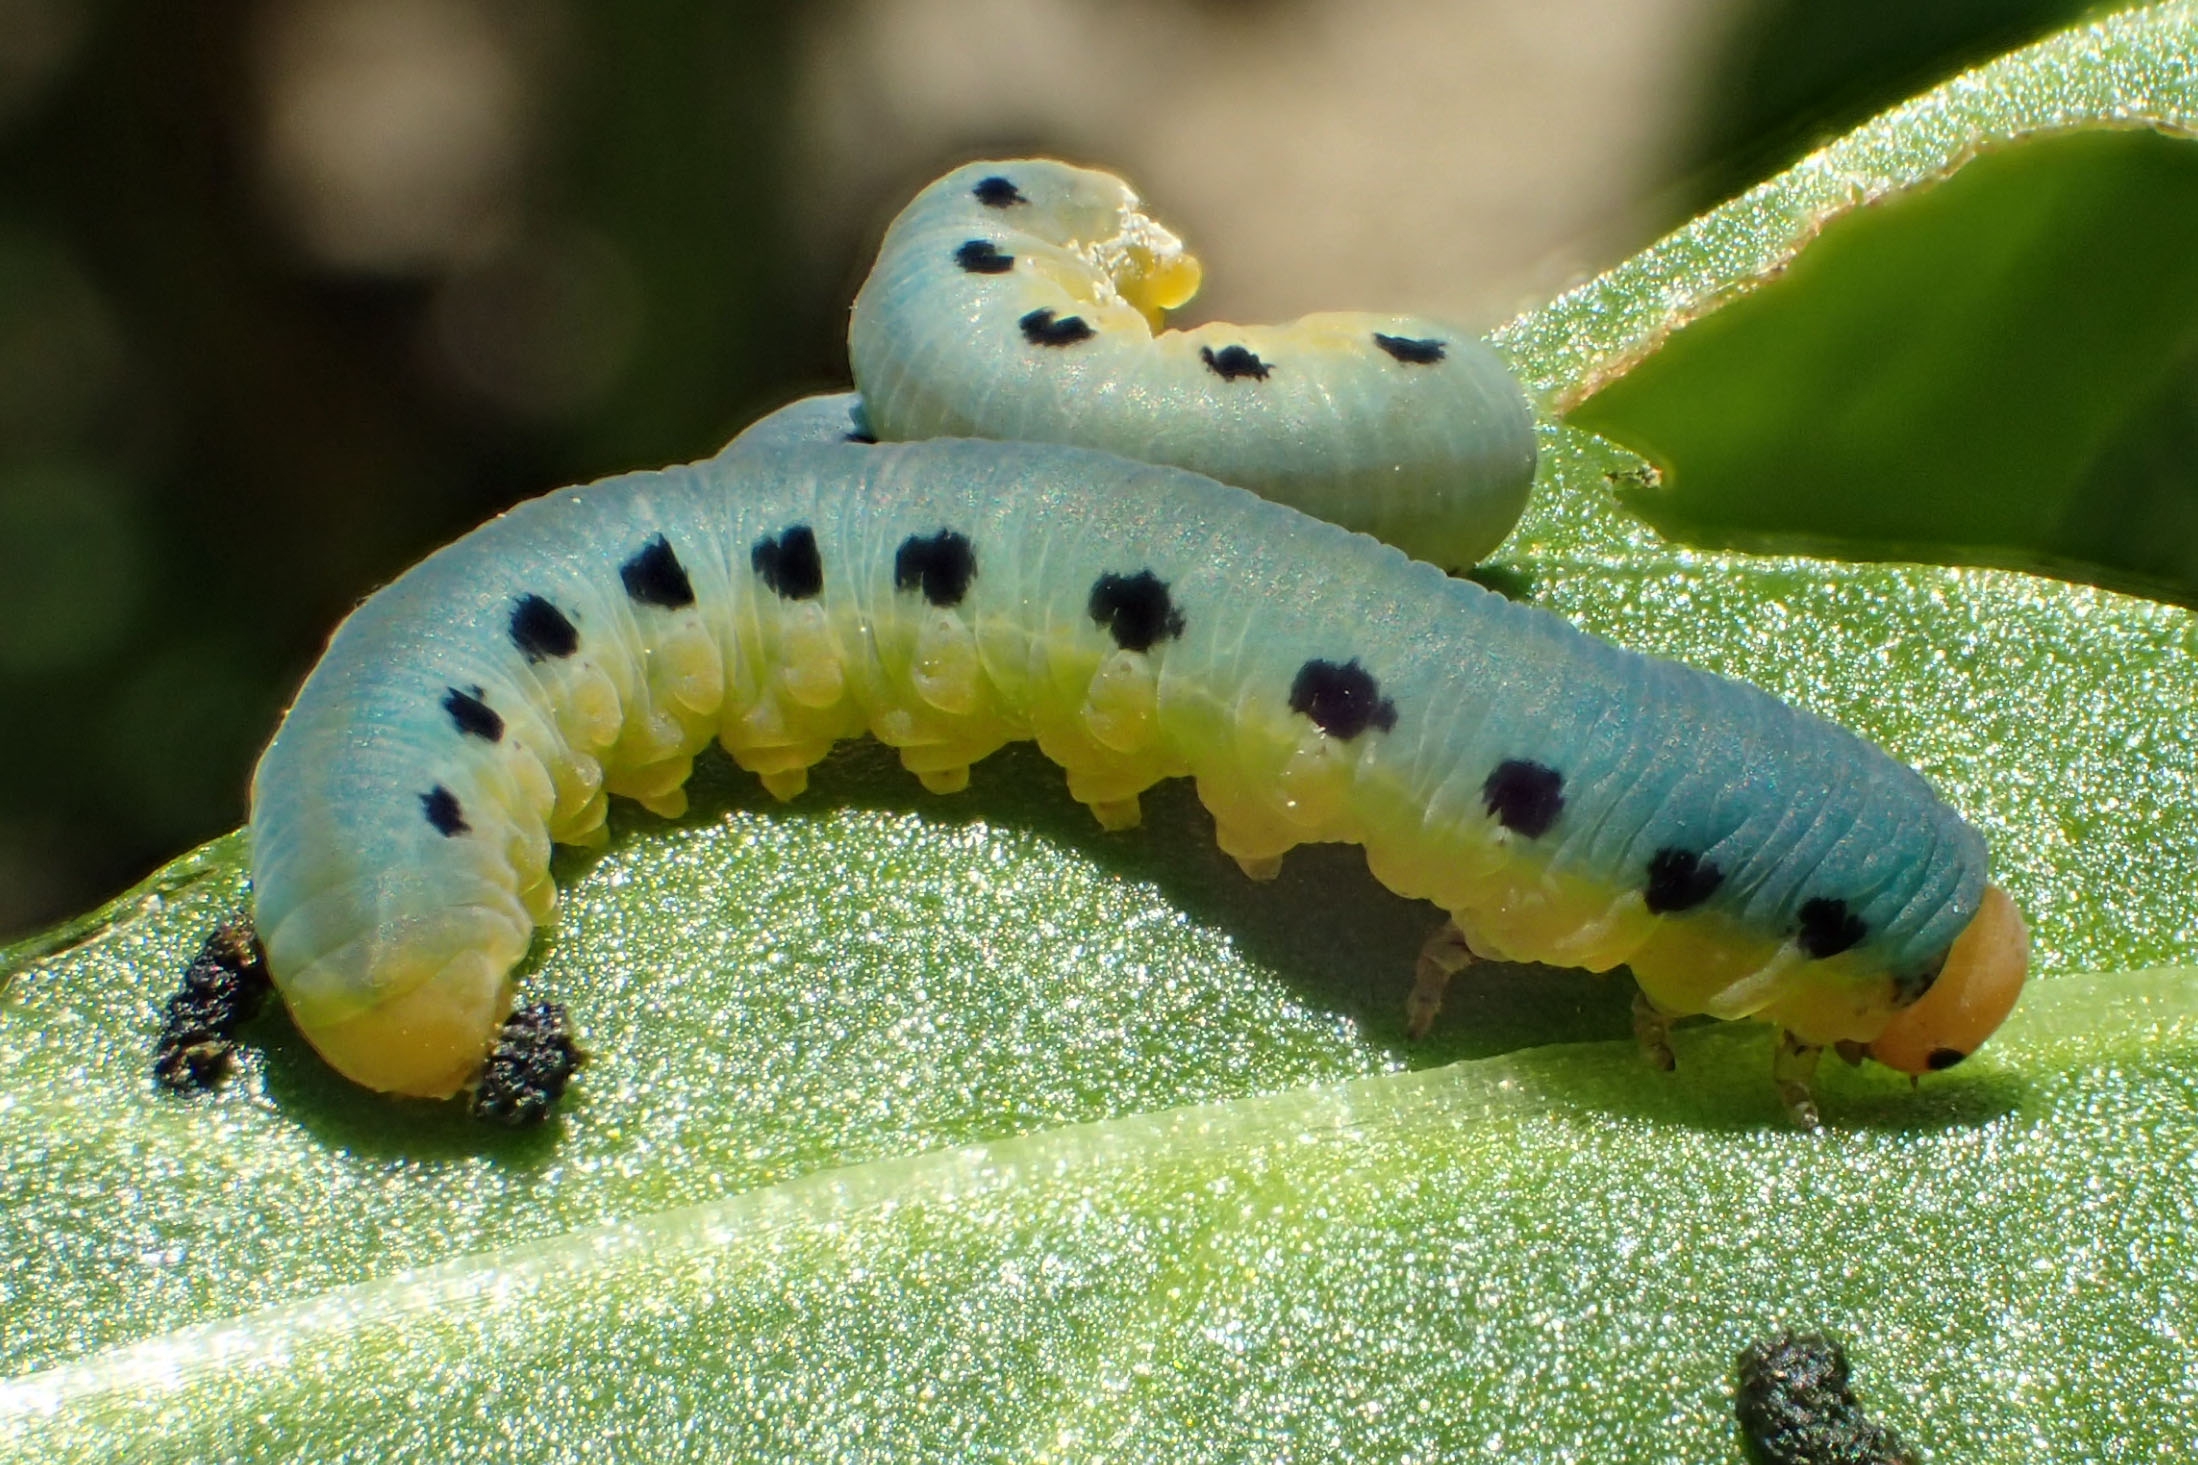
(1563, 800)
(1020, 299)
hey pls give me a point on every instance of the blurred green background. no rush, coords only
(291, 292)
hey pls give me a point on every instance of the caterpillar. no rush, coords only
(1020, 300)
(1559, 799)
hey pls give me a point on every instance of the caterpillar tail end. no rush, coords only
(428, 1043)
(1974, 992)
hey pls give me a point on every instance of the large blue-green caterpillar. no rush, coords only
(1559, 799)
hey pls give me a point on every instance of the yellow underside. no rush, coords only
(936, 689)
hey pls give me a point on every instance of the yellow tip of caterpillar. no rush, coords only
(1975, 991)
(428, 1043)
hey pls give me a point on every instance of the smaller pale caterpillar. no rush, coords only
(1021, 299)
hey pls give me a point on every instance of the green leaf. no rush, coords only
(1996, 365)
(948, 1129)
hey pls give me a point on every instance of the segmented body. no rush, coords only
(1020, 300)
(1566, 801)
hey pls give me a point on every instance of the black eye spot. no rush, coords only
(1942, 1059)
(1828, 928)
(471, 715)
(540, 629)
(790, 564)
(654, 576)
(1678, 880)
(941, 565)
(1135, 609)
(997, 193)
(1041, 329)
(1411, 352)
(1231, 362)
(1526, 797)
(982, 257)
(441, 807)
(1343, 701)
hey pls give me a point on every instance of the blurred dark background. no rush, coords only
(293, 291)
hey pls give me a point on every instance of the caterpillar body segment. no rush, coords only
(1561, 800)
(1023, 300)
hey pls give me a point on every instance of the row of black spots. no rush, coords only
(654, 576)
(1135, 609)
(1342, 700)
(1231, 362)
(940, 565)
(1410, 351)
(1523, 796)
(1827, 928)
(997, 193)
(471, 715)
(1679, 880)
(1041, 329)
(443, 813)
(983, 257)
(790, 563)
(540, 630)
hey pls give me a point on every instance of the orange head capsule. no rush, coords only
(1974, 993)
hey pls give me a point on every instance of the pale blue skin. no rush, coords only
(1436, 458)
(1653, 754)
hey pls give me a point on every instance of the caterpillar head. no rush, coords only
(1973, 994)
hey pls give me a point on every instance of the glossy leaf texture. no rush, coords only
(956, 1129)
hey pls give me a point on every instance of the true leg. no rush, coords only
(1793, 1066)
(1652, 1030)
(1443, 956)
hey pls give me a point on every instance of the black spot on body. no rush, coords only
(654, 576)
(527, 1071)
(1526, 797)
(941, 565)
(540, 629)
(997, 193)
(1941, 1059)
(1679, 880)
(1410, 351)
(1828, 928)
(441, 807)
(789, 563)
(1343, 701)
(1041, 329)
(471, 715)
(1135, 609)
(983, 257)
(1231, 362)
